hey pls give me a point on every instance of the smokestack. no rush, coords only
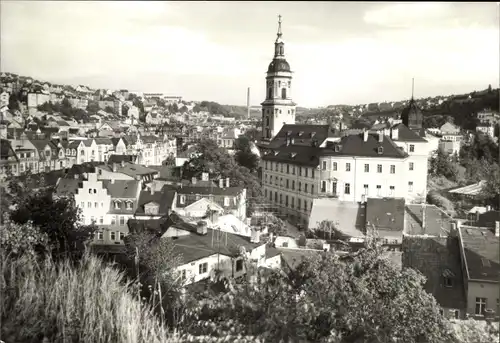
(248, 103)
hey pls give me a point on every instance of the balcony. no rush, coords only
(322, 194)
(327, 174)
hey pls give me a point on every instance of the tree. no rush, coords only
(109, 109)
(93, 107)
(58, 218)
(442, 165)
(244, 155)
(125, 110)
(23, 239)
(360, 297)
(183, 109)
(13, 102)
(491, 189)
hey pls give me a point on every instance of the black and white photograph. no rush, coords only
(249, 171)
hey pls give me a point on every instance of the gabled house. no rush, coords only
(8, 159)
(155, 204)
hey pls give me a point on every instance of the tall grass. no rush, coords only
(90, 302)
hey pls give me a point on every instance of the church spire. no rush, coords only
(412, 87)
(279, 29)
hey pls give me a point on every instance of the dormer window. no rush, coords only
(337, 148)
(293, 154)
(380, 150)
(448, 282)
(118, 205)
(182, 199)
(276, 153)
(313, 134)
(301, 133)
(129, 205)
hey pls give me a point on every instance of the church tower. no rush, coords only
(278, 108)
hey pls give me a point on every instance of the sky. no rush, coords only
(340, 53)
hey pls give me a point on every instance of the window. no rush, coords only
(89, 205)
(239, 265)
(305, 187)
(281, 168)
(100, 236)
(300, 171)
(312, 189)
(182, 199)
(367, 168)
(117, 205)
(293, 184)
(299, 202)
(412, 148)
(391, 191)
(347, 167)
(112, 235)
(480, 306)
(323, 165)
(101, 220)
(306, 172)
(102, 204)
(365, 187)
(113, 220)
(286, 200)
(288, 169)
(122, 220)
(334, 187)
(96, 205)
(448, 282)
(281, 198)
(122, 236)
(90, 190)
(276, 180)
(287, 183)
(379, 168)
(276, 166)
(82, 204)
(411, 166)
(457, 314)
(293, 202)
(393, 169)
(265, 193)
(323, 186)
(293, 170)
(300, 186)
(334, 166)
(347, 188)
(410, 186)
(379, 190)
(202, 268)
(283, 92)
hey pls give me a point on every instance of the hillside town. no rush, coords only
(239, 195)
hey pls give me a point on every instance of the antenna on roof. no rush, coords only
(412, 87)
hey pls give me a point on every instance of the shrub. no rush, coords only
(440, 201)
(89, 302)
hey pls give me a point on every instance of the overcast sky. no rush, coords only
(341, 53)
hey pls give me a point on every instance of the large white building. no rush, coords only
(304, 162)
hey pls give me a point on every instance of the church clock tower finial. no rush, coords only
(279, 27)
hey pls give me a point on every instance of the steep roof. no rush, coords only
(164, 199)
(228, 191)
(130, 169)
(303, 134)
(437, 258)
(407, 135)
(350, 145)
(67, 186)
(121, 189)
(6, 150)
(437, 222)
(482, 253)
(348, 217)
(386, 213)
(119, 158)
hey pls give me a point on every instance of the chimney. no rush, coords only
(112, 181)
(497, 228)
(380, 136)
(395, 133)
(365, 135)
(248, 103)
(477, 216)
(152, 188)
(123, 163)
(193, 180)
(115, 167)
(204, 176)
(423, 217)
(76, 176)
(221, 183)
(201, 228)
(340, 127)
(254, 236)
(488, 208)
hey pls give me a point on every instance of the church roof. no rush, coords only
(278, 65)
(409, 111)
